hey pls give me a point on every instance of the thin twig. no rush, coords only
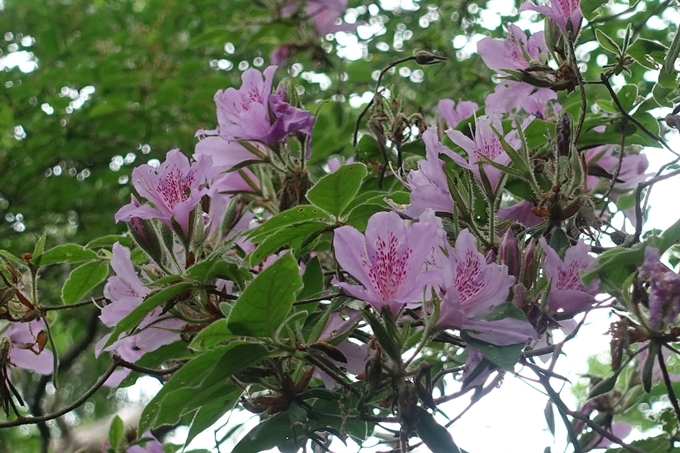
(669, 385)
(557, 400)
(77, 403)
(622, 110)
(375, 92)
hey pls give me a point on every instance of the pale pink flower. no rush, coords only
(515, 53)
(125, 291)
(253, 112)
(428, 185)
(512, 94)
(471, 289)
(339, 323)
(174, 190)
(567, 291)
(455, 113)
(484, 142)
(388, 262)
(327, 16)
(25, 353)
(520, 212)
(566, 13)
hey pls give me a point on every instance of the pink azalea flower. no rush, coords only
(125, 291)
(25, 353)
(356, 354)
(567, 291)
(388, 262)
(566, 13)
(485, 142)
(253, 113)
(226, 154)
(174, 190)
(520, 212)
(334, 163)
(511, 95)
(471, 289)
(280, 54)
(428, 185)
(455, 113)
(511, 54)
(633, 166)
(243, 114)
(327, 15)
(151, 446)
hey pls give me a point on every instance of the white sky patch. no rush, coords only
(26, 61)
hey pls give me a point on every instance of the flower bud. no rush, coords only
(509, 253)
(426, 58)
(564, 136)
(146, 236)
(528, 274)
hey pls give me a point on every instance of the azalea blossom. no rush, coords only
(484, 143)
(253, 112)
(125, 291)
(567, 291)
(566, 13)
(471, 289)
(26, 350)
(453, 113)
(388, 261)
(516, 53)
(356, 354)
(428, 185)
(174, 190)
(520, 212)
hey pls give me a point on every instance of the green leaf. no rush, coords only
(293, 216)
(668, 67)
(312, 280)
(40, 245)
(502, 356)
(267, 434)
(83, 279)
(240, 356)
(208, 414)
(67, 253)
(659, 444)
(108, 241)
(607, 43)
(267, 300)
(590, 8)
(434, 435)
(190, 374)
(292, 236)
(649, 54)
(368, 148)
(135, 317)
(154, 359)
(335, 191)
(628, 95)
(214, 334)
(116, 432)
